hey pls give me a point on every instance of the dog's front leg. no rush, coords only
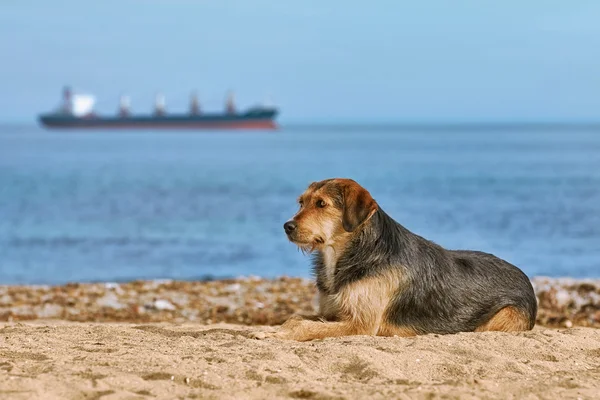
(358, 307)
(307, 316)
(303, 330)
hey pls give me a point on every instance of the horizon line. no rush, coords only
(385, 123)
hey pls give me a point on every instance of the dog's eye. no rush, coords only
(301, 203)
(321, 203)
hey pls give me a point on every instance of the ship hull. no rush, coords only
(263, 120)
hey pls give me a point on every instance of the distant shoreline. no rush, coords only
(563, 302)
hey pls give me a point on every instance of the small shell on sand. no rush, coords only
(563, 302)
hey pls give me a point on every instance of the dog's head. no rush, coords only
(329, 211)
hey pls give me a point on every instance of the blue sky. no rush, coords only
(319, 60)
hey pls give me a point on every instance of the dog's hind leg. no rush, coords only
(508, 319)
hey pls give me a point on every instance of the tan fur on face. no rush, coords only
(359, 309)
(317, 227)
(509, 319)
(321, 227)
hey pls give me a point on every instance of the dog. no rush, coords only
(375, 277)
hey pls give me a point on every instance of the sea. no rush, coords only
(89, 206)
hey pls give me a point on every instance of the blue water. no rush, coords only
(97, 206)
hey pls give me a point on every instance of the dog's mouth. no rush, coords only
(307, 247)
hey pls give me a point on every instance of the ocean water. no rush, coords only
(116, 206)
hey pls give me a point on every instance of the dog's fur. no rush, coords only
(375, 277)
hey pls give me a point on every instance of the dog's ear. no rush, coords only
(359, 206)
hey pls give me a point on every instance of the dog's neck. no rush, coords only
(329, 259)
(326, 261)
(350, 252)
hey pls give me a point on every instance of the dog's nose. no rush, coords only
(289, 227)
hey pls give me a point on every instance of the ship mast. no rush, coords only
(267, 102)
(67, 106)
(194, 104)
(230, 105)
(159, 104)
(124, 104)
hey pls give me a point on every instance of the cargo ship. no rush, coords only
(77, 112)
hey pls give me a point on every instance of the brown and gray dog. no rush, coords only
(375, 277)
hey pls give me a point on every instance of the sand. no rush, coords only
(50, 359)
(185, 340)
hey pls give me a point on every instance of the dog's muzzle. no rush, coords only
(290, 227)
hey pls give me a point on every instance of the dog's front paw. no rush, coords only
(260, 335)
(293, 322)
(282, 334)
(292, 329)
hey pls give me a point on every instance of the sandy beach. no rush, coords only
(69, 360)
(185, 340)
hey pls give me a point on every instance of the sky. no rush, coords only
(331, 61)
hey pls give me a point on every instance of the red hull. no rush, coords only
(261, 125)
